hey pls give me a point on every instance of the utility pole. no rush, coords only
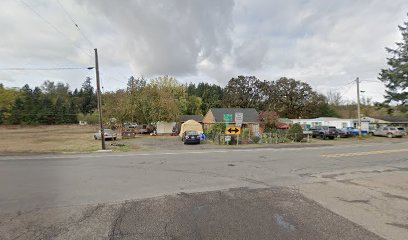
(358, 106)
(99, 99)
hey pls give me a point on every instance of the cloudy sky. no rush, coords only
(326, 43)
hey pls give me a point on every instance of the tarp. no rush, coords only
(191, 125)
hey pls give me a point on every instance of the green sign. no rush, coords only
(228, 117)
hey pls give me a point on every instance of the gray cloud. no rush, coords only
(170, 37)
(325, 43)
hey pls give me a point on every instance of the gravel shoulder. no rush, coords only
(272, 213)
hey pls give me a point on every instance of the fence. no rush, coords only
(264, 138)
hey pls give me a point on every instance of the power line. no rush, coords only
(75, 24)
(341, 88)
(348, 89)
(376, 81)
(45, 69)
(53, 26)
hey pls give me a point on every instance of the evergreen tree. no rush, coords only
(395, 77)
(17, 112)
(72, 112)
(88, 97)
(60, 111)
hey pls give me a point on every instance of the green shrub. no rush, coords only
(245, 133)
(215, 128)
(295, 133)
(255, 139)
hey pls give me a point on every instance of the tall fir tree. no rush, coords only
(395, 77)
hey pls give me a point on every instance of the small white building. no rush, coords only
(337, 122)
(165, 128)
(325, 121)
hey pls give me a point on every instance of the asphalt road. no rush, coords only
(363, 188)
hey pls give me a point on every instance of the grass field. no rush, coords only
(79, 139)
(47, 139)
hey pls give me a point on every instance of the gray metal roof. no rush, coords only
(250, 114)
(185, 118)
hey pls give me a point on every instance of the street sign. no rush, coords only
(239, 118)
(228, 117)
(233, 130)
(228, 138)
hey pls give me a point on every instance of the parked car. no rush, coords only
(402, 130)
(387, 132)
(350, 132)
(324, 132)
(191, 137)
(108, 133)
(144, 129)
(341, 133)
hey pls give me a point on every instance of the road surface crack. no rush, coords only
(389, 195)
(90, 212)
(399, 225)
(365, 201)
(115, 228)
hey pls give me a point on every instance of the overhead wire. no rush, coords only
(75, 23)
(43, 69)
(53, 26)
(342, 87)
(348, 89)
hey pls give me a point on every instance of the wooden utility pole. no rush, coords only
(99, 99)
(358, 106)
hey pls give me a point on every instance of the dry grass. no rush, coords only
(47, 139)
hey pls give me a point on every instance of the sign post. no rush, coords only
(227, 119)
(239, 118)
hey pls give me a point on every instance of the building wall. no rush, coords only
(338, 123)
(308, 123)
(344, 123)
(165, 127)
(209, 118)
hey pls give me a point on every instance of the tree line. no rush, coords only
(50, 103)
(160, 99)
(165, 99)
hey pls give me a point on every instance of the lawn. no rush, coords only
(47, 139)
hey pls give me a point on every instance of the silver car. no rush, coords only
(387, 132)
(402, 130)
(108, 133)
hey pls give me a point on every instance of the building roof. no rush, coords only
(250, 114)
(326, 119)
(285, 120)
(392, 119)
(185, 118)
(320, 119)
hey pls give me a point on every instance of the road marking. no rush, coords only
(364, 153)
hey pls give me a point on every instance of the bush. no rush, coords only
(245, 134)
(295, 133)
(215, 129)
(255, 139)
